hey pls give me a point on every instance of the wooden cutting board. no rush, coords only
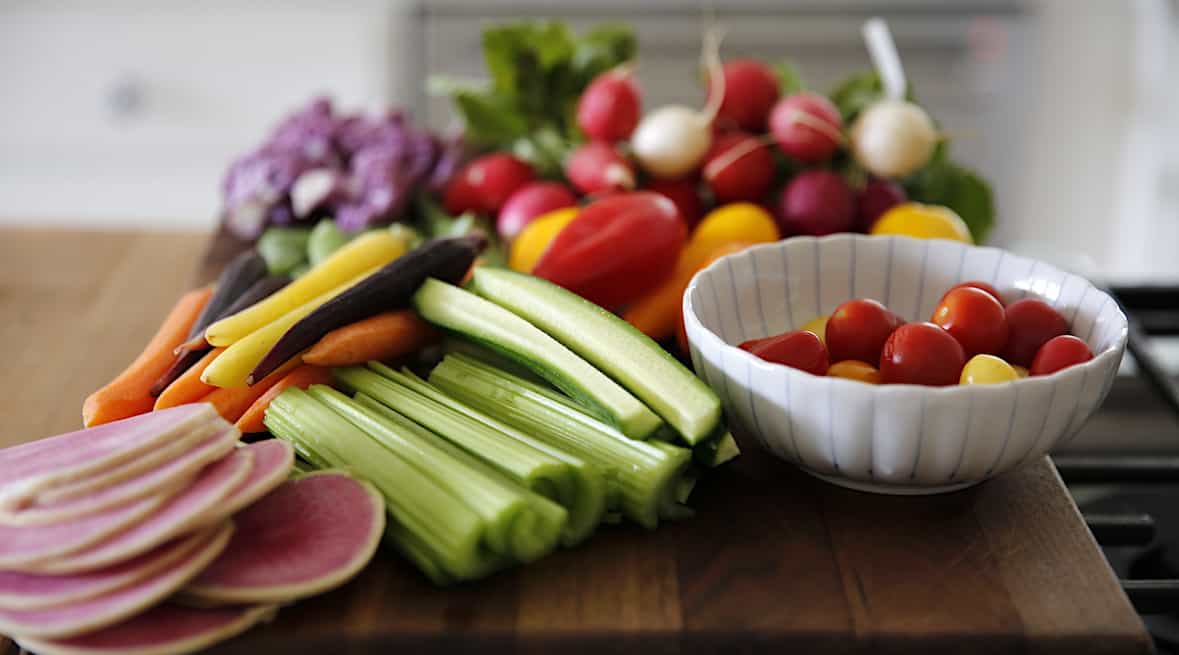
(775, 561)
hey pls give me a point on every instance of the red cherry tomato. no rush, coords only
(617, 249)
(974, 318)
(922, 353)
(977, 284)
(1031, 323)
(858, 329)
(799, 349)
(1059, 353)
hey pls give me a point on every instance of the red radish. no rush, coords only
(684, 194)
(596, 167)
(816, 203)
(306, 537)
(31, 591)
(750, 91)
(483, 185)
(101, 611)
(182, 467)
(807, 127)
(671, 141)
(165, 628)
(608, 109)
(893, 138)
(738, 168)
(195, 505)
(877, 197)
(530, 201)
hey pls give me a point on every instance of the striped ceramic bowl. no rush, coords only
(902, 439)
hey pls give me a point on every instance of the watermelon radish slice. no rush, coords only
(310, 535)
(176, 474)
(20, 547)
(32, 591)
(181, 514)
(85, 453)
(273, 461)
(163, 630)
(141, 465)
(109, 609)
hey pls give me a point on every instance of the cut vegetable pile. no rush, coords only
(99, 527)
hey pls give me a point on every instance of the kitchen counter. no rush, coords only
(774, 561)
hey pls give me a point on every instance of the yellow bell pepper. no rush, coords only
(530, 244)
(923, 222)
(736, 222)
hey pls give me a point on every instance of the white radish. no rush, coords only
(893, 137)
(672, 141)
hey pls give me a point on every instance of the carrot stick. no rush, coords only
(384, 336)
(127, 394)
(302, 377)
(232, 402)
(188, 388)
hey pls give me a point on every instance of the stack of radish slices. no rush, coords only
(162, 534)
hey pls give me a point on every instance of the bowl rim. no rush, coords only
(714, 341)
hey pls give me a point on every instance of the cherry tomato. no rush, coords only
(1031, 324)
(857, 329)
(974, 318)
(850, 369)
(818, 325)
(799, 349)
(987, 369)
(1021, 371)
(921, 353)
(617, 250)
(977, 284)
(1059, 353)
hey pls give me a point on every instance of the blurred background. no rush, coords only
(126, 113)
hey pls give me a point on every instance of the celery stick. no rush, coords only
(569, 480)
(642, 475)
(716, 450)
(508, 510)
(442, 525)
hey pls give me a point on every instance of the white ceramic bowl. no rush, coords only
(902, 439)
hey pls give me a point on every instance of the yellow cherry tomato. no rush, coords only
(853, 369)
(1023, 372)
(817, 325)
(924, 222)
(738, 221)
(987, 369)
(535, 238)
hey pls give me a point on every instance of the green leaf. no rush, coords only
(490, 119)
(435, 223)
(855, 93)
(546, 149)
(789, 79)
(604, 47)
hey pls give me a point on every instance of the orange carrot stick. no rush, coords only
(128, 394)
(302, 377)
(384, 336)
(232, 402)
(188, 388)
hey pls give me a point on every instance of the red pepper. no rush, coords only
(617, 249)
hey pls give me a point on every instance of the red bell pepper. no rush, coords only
(617, 250)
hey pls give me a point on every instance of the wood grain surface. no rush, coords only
(774, 561)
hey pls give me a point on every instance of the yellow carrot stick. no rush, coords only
(232, 368)
(363, 254)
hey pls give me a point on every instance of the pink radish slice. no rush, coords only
(184, 467)
(108, 609)
(310, 535)
(273, 461)
(143, 463)
(21, 547)
(31, 591)
(128, 446)
(181, 514)
(165, 629)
